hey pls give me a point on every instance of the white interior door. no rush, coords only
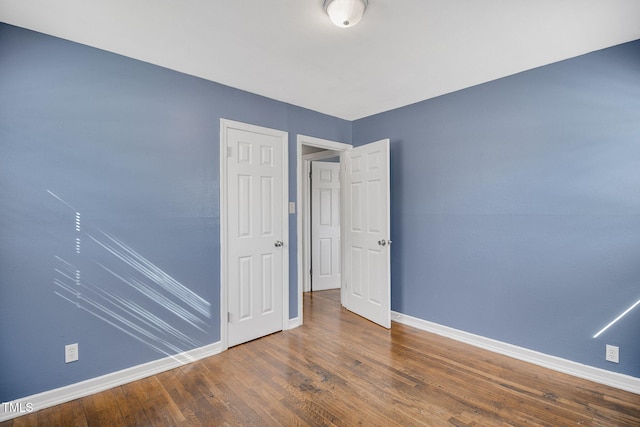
(255, 232)
(325, 225)
(366, 264)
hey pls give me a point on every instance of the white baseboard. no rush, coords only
(294, 323)
(598, 375)
(71, 392)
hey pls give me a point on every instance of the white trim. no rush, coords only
(322, 143)
(71, 392)
(226, 124)
(285, 231)
(598, 375)
(294, 323)
(305, 209)
(223, 201)
(344, 235)
(302, 196)
(321, 155)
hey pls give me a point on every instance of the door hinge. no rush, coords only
(229, 151)
(228, 317)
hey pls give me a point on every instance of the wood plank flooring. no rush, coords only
(341, 370)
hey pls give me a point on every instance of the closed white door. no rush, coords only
(367, 257)
(255, 217)
(325, 225)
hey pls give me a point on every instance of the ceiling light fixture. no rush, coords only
(345, 13)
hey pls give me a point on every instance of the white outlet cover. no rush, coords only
(613, 354)
(70, 353)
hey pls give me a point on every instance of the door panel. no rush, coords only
(325, 225)
(255, 218)
(367, 278)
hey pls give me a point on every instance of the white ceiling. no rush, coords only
(403, 51)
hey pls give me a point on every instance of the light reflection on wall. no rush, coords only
(614, 321)
(119, 286)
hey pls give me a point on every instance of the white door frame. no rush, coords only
(304, 200)
(226, 124)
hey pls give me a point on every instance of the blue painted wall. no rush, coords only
(516, 207)
(123, 156)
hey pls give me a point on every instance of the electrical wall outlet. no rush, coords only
(613, 354)
(70, 353)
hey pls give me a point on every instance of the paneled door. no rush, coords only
(366, 266)
(254, 230)
(325, 225)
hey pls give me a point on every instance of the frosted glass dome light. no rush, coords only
(345, 13)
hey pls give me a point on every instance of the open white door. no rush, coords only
(366, 232)
(325, 225)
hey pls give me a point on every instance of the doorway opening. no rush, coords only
(365, 280)
(309, 149)
(325, 234)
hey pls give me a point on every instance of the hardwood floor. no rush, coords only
(339, 369)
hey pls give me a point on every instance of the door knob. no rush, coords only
(278, 243)
(384, 242)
